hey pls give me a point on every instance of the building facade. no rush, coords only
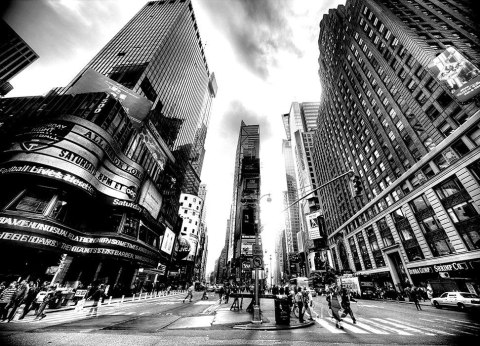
(300, 124)
(396, 113)
(15, 56)
(245, 218)
(109, 156)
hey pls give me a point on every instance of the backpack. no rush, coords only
(305, 297)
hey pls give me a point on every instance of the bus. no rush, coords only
(300, 282)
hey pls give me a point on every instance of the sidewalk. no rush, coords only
(240, 319)
(406, 301)
(111, 301)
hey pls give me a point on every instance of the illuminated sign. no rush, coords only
(312, 225)
(40, 233)
(457, 73)
(168, 241)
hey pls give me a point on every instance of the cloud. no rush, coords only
(236, 112)
(258, 31)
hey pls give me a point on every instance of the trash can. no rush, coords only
(282, 310)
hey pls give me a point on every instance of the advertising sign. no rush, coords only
(87, 152)
(40, 233)
(168, 241)
(150, 198)
(312, 225)
(459, 74)
(136, 106)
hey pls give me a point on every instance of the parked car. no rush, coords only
(211, 288)
(460, 300)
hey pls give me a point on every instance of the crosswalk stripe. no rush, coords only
(390, 329)
(354, 329)
(370, 329)
(421, 327)
(399, 325)
(328, 327)
(468, 324)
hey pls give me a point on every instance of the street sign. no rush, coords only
(257, 262)
(257, 250)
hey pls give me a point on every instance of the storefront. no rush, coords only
(463, 276)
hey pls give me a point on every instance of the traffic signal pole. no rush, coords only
(318, 188)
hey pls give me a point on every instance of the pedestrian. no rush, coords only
(96, 296)
(308, 301)
(18, 298)
(29, 299)
(221, 291)
(6, 299)
(335, 307)
(205, 293)
(189, 294)
(414, 297)
(299, 303)
(345, 303)
(227, 293)
(44, 300)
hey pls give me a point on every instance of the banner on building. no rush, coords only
(168, 241)
(312, 225)
(457, 73)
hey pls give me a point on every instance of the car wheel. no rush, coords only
(435, 304)
(461, 307)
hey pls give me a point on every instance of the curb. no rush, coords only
(252, 326)
(400, 301)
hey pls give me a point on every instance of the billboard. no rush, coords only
(459, 74)
(84, 150)
(136, 106)
(168, 241)
(150, 198)
(312, 225)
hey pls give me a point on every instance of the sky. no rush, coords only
(264, 54)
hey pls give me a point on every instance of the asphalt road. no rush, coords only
(169, 321)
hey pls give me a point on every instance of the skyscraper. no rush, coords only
(15, 55)
(400, 109)
(299, 125)
(159, 54)
(245, 218)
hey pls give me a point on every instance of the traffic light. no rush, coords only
(356, 186)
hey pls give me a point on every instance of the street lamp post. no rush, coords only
(256, 308)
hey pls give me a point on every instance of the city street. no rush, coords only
(167, 320)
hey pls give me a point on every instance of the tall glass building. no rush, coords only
(159, 54)
(400, 108)
(15, 55)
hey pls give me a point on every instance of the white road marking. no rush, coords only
(421, 327)
(390, 329)
(328, 327)
(367, 327)
(399, 325)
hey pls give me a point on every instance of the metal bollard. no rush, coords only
(110, 300)
(133, 298)
(121, 301)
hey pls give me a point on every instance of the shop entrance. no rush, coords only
(399, 273)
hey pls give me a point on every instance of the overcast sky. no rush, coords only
(264, 54)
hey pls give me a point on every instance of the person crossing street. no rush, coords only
(189, 294)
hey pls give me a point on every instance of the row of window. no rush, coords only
(459, 207)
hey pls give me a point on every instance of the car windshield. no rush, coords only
(468, 295)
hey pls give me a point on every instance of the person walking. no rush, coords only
(335, 306)
(227, 293)
(6, 298)
(47, 297)
(345, 303)
(221, 291)
(299, 302)
(308, 301)
(189, 294)
(30, 298)
(18, 298)
(96, 296)
(414, 296)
